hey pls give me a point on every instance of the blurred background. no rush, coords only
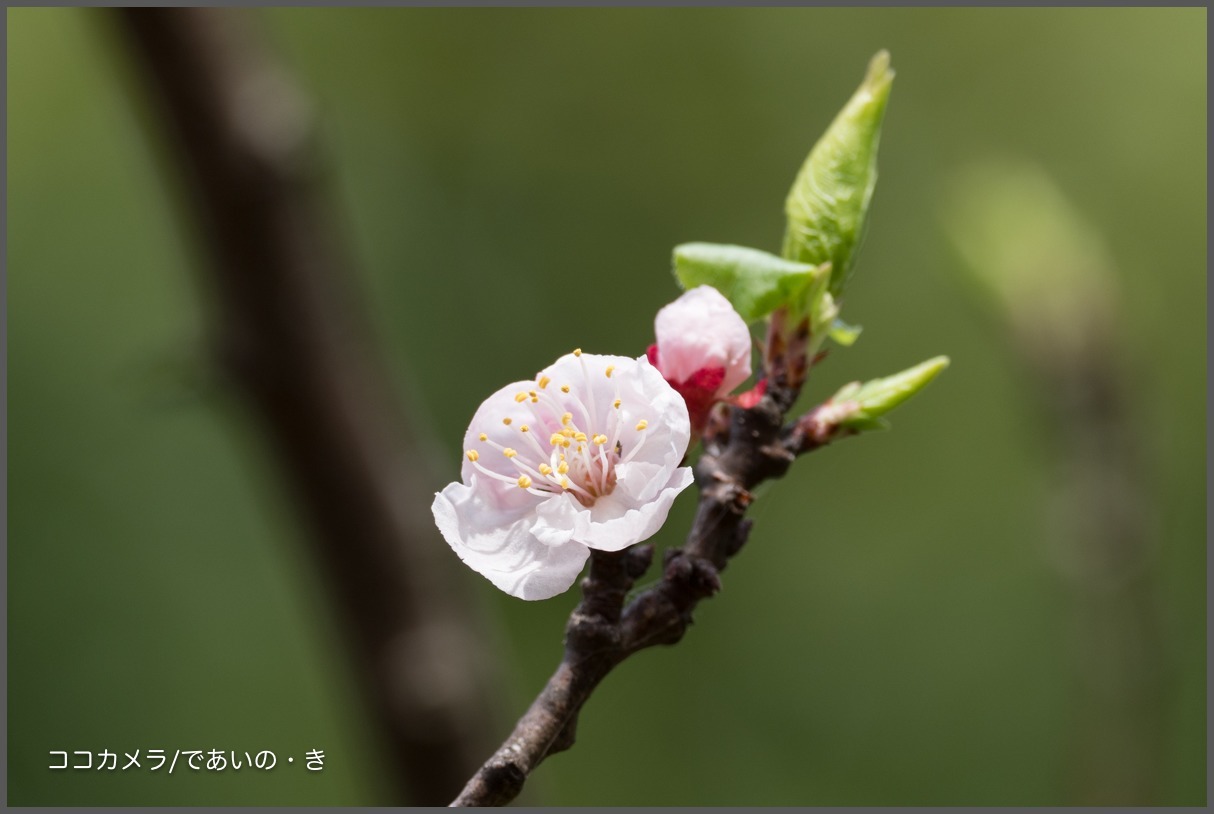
(907, 624)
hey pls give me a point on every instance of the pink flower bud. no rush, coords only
(703, 349)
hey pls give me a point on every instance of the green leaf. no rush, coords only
(864, 423)
(846, 335)
(755, 282)
(878, 396)
(827, 206)
(847, 392)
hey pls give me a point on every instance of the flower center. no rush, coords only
(569, 443)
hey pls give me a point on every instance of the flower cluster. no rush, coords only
(589, 454)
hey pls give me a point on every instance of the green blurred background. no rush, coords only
(896, 631)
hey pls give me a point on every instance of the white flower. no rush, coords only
(703, 349)
(586, 456)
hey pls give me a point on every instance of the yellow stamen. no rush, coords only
(610, 370)
(568, 432)
(520, 397)
(473, 455)
(564, 483)
(642, 424)
(562, 468)
(580, 437)
(567, 419)
(544, 380)
(564, 388)
(523, 481)
(509, 453)
(524, 428)
(556, 438)
(484, 437)
(507, 420)
(616, 404)
(577, 351)
(600, 439)
(545, 469)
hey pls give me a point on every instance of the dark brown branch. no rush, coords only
(814, 430)
(288, 332)
(600, 633)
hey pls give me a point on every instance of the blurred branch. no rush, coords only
(288, 331)
(602, 631)
(1048, 277)
(1100, 525)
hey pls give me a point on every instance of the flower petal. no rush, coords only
(615, 521)
(500, 418)
(639, 481)
(672, 432)
(497, 542)
(644, 395)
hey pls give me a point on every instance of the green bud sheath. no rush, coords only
(827, 206)
(878, 396)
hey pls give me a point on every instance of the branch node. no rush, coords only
(565, 738)
(740, 536)
(697, 577)
(637, 561)
(588, 634)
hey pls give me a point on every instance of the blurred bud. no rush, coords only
(844, 334)
(1030, 252)
(827, 206)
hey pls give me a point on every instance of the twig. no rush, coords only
(1101, 525)
(601, 632)
(288, 333)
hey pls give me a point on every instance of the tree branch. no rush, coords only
(1101, 527)
(287, 330)
(601, 632)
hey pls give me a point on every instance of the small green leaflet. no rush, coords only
(844, 334)
(827, 207)
(878, 396)
(755, 282)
